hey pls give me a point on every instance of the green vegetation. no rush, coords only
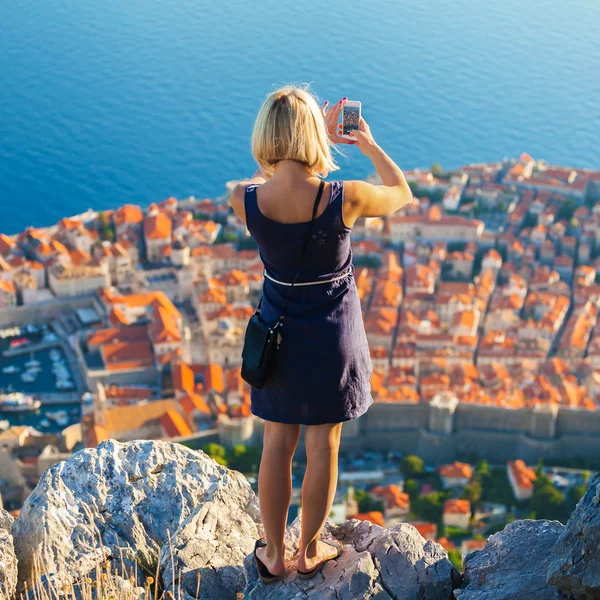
(411, 487)
(367, 261)
(411, 466)
(547, 502)
(566, 209)
(245, 459)
(436, 169)
(472, 492)
(106, 228)
(365, 502)
(496, 488)
(216, 452)
(226, 237)
(248, 243)
(456, 559)
(430, 507)
(453, 532)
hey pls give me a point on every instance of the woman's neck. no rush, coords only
(291, 169)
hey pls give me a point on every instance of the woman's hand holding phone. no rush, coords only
(331, 114)
(364, 137)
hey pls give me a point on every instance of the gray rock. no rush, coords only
(50, 588)
(117, 501)
(513, 564)
(8, 559)
(6, 520)
(377, 563)
(206, 554)
(575, 564)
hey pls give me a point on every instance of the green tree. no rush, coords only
(244, 458)
(411, 487)
(411, 465)
(547, 502)
(456, 559)
(365, 502)
(216, 452)
(472, 492)
(482, 470)
(429, 507)
(436, 169)
(566, 209)
(575, 494)
(247, 243)
(106, 227)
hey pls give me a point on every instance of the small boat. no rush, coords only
(4, 424)
(19, 342)
(45, 423)
(56, 414)
(10, 370)
(54, 354)
(18, 402)
(62, 421)
(64, 385)
(28, 377)
(33, 363)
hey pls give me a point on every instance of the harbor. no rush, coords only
(37, 374)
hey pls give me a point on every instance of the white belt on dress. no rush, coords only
(345, 274)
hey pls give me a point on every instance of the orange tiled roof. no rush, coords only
(456, 470)
(374, 516)
(128, 214)
(457, 507)
(183, 377)
(192, 401)
(8, 287)
(427, 530)
(158, 227)
(523, 475)
(174, 424)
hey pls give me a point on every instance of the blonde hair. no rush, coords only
(290, 126)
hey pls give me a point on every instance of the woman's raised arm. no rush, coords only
(362, 199)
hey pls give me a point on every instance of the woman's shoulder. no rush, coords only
(238, 196)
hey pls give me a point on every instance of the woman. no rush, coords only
(323, 367)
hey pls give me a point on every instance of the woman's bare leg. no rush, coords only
(318, 490)
(275, 489)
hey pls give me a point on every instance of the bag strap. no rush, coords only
(302, 250)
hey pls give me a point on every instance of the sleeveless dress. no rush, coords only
(322, 369)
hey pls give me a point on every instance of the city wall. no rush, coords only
(495, 434)
(44, 311)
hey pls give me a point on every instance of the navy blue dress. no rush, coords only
(322, 370)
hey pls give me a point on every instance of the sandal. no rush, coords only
(331, 542)
(265, 575)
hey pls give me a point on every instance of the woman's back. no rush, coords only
(281, 231)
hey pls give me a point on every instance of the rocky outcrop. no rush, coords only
(575, 564)
(209, 548)
(8, 559)
(124, 502)
(155, 508)
(377, 563)
(513, 564)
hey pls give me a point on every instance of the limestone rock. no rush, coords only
(575, 564)
(377, 563)
(513, 564)
(117, 501)
(8, 559)
(209, 547)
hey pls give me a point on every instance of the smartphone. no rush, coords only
(350, 118)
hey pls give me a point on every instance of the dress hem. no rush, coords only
(363, 410)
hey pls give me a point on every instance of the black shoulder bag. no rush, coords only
(260, 341)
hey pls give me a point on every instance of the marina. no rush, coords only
(35, 376)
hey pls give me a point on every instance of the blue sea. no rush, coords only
(114, 101)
